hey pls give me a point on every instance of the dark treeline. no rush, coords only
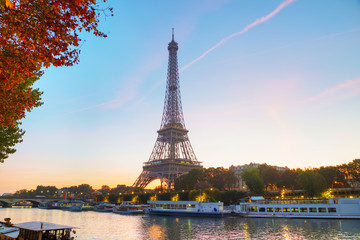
(124, 193)
(314, 181)
(216, 183)
(207, 178)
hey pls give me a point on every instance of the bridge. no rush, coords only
(9, 201)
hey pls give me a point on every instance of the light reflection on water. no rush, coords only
(109, 226)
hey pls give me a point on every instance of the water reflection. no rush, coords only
(109, 226)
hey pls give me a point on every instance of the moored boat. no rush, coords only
(104, 207)
(74, 206)
(130, 209)
(187, 208)
(341, 208)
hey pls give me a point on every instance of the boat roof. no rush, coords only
(257, 198)
(41, 226)
(180, 202)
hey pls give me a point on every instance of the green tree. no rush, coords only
(113, 198)
(85, 189)
(287, 179)
(313, 183)
(269, 174)
(105, 189)
(49, 191)
(12, 134)
(220, 178)
(190, 180)
(231, 197)
(24, 193)
(9, 137)
(253, 180)
(144, 197)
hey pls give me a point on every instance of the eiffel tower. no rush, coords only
(172, 155)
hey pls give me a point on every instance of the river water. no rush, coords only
(109, 226)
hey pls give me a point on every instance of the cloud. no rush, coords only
(330, 91)
(247, 28)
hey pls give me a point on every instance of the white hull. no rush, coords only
(345, 208)
(187, 208)
(253, 215)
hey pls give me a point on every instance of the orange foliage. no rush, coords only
(36, 34)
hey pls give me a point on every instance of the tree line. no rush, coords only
(313, 181)
(206, 178)
(218, 183)
(126, 193)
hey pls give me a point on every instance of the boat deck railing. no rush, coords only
(292, 201)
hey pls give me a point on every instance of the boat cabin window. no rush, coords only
(269, 209)
(294, 209)
(322, 210)
(336, 201)
(312, 210)
(254, 209)
(303, 209)
(190, 206)
(277, 209)
(262, 209)
(330, 209)
(285, 209)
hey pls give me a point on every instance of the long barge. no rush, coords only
(258, 207)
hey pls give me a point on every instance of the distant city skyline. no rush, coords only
(274, 82)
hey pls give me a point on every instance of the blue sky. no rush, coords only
(285, 92)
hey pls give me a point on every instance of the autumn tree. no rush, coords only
(36, 34)
(333, 176)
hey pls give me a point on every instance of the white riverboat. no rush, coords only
(341, 208)
(187, 208)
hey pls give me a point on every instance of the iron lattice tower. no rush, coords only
(172, 155)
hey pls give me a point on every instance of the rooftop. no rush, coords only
(41, 226)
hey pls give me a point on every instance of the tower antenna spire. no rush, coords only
(173, 34)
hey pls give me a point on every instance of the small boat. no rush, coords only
(104, 207)
(187, 208)
(130, 209)
(49, 205)
(341, 208)
(74, 206)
